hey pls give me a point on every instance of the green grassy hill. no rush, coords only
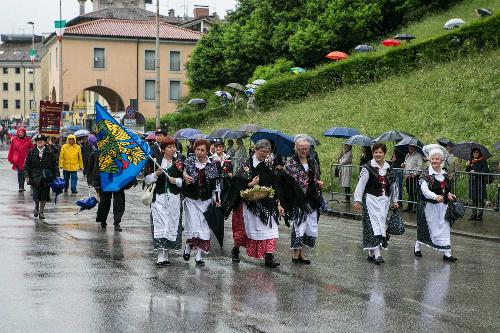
(458, 100)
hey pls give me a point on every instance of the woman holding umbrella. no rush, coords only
(432, 227)
(200, 180)
(301, 196)
(477, 183)
(166, 204)
(41, 169)
(375, 192)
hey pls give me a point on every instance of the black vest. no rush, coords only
(162, 184)
(377, 185)
(437, 187)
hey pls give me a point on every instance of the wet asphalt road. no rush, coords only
(66, 275)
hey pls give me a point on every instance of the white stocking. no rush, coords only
(161, 256)
(376, 252)
(187, 249)
(370, 253)
(165, 255)
(417, 247)
(447, 253)
(198, 255)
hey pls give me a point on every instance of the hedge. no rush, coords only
(368, 68)
(478, 36)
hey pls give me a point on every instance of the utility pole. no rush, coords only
(157, 64)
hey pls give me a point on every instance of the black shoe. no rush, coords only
(21, 190)
(200, 263)
(371, 258)
(159, 264)
(186, 256)
(449, 259)
(104, 225)
(417, 253)
(41, 216)
(118, 228)
(270, 261)
(379, 260)
(165, 263)
(304, 261)
(295, 260)
(235, 254)
(35, 213)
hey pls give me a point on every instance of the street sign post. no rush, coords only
(129, 119)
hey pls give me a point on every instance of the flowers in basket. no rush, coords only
(257, 192)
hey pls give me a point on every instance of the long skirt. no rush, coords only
(238, 226)
(432, 228)
(306, 232)
(375, 210)
(261, 237)
(41, 193)
(165, 217)
(197, 231)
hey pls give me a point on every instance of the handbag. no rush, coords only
(147, 195)
(454, 211)
(396, 225)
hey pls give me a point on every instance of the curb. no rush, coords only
(358, 217)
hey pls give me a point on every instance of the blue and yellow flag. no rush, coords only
(122, 154)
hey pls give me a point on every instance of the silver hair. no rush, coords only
(436, 152)
(300, 140)
(263, 144)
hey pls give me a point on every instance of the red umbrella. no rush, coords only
(151, 137)
(391, 42)
(337, 55)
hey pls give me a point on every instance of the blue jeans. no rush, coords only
(74, 178)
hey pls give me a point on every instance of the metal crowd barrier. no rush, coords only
(479, 191)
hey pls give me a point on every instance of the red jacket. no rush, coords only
(18, 151)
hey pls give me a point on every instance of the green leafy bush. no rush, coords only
(276, 69)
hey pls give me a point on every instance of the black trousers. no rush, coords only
(105, 205)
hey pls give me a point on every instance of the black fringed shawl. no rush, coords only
(265, 209)
(299, 190)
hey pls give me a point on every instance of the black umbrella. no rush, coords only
(218, 133)
(483, 12)
(215, 220)
(232, 134)
(359, 140)
(444, 142)
(406, 37)
(464, 150)
(402, 145)
(250, 128)
(497, 146)
(392, 136)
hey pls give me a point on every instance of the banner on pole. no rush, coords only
(50, 117)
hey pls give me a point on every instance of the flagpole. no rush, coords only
(157, 64)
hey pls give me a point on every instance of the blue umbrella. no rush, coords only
(297, 70)
(250, 91)
(284, 143)
(196, 137)
(364, 48)
(341, 132)
(57, 186)
(359, 140)
(185, 133)
(73, 128)
(86, 204)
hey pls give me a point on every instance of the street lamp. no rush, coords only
(33, 58)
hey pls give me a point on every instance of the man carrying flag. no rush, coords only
(121, 157)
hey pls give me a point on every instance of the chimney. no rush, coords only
(82, 6)
(171, 13)
(201, 11)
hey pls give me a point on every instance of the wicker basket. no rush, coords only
(255, 195)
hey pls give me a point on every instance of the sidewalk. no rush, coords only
(488, 229)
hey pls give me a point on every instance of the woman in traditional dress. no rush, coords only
(40, 169)
(374, 193)
(200, 177)
(301, 196)
(166, 204)
(432, 227)
(256, 227)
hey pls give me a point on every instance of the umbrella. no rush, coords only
(364, 48)
(221, 93)
(391, 42)
(82, 132)
(406, 37)
(443, 141)
(341, 132)
(392, 136)
(497, 146)
(250, 128)
(297, 70)
(215, 219)
(57, 186)
(250, 91)
(150, 137)
(251, 85)
(196, 101)
(73, 128)
(483, 12)
(312, 141)
(197, 136)
(464, 150)
(185, 133)
(337, 55)
(428, 148)
(454, 23)
(402, 145)
(219, 133)
(359, 140)
(284, 143)
(86, 204)
(236, 86)
(258, 82)
(232, 134)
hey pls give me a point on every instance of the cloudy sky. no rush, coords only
(15, 13)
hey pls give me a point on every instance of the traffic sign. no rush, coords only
(130, 112)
